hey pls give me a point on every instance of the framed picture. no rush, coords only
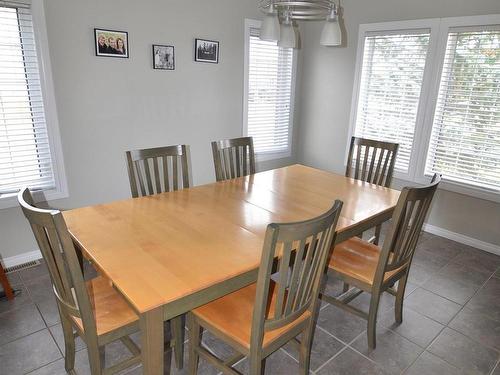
(206, 51)
(111, 43)
(163, 57)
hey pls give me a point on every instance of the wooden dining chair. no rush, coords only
(259, 319)
(375, 270)
(90, 309)
(233, 158)
(153, 171)
(157, 170)
(373, 162)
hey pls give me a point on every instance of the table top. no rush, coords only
(160, 248)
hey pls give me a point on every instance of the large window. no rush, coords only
(269, 85)
(433, 86)
(26, 147)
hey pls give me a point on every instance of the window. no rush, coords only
(391, 80)
(465, 140)
(269, 86)
(433, 86)
(27, 154)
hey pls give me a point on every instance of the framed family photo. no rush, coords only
(206, 51)
(111, 43)
(163, 57)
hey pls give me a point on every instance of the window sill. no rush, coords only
(10, 200)
(453, 186)
(272, 155)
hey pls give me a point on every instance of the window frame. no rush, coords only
(51, 118)
(439, 29)
(269, 155)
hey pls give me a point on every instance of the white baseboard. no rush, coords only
(21, 258)
(486, 246)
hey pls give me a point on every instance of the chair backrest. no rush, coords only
(233, 158)
(371, 161)
(302, 249)
(407, 220)
(62, 262)
(156, 170)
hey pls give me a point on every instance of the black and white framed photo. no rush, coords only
(206, 51)
(111, 43)
(163, 57)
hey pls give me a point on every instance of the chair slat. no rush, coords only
(139, 176)
(156, 171)
(166, 178)
(175, 172)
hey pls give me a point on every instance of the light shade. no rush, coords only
(287, 36)
(270, 29)
(331, 34)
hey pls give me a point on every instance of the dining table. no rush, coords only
(169, 253)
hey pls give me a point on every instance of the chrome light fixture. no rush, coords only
(281, 16)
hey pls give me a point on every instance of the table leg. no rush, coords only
(151, 324)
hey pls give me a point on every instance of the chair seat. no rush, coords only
(110, 310)
(232, 315)
(357, 259)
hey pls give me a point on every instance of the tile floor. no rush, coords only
(451, 325)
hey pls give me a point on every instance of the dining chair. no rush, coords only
(259, 319)
(233, 158)
(156, 170)
(375, 270)
(153, 171)
(90, 309)
(373, 162)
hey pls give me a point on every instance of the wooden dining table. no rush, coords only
(172, 252)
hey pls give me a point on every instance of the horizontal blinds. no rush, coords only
(270, 73)
(25, 157)
(389, 94)
(465, 140)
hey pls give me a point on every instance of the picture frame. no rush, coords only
(206, 51)
(163, 57)
(111, 43)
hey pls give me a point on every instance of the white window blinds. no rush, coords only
(389, 89)
(269, 96)
(25, 157)
(465, 140)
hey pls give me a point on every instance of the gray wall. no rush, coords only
(108, 105)
(327, 83)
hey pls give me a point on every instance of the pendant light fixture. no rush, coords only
(287, 12)
(288, 38)
(331, 34)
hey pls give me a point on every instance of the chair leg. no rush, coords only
(372, 320)
(6, 284)
(178, 335)
(257, 366)
(69, 344)
(378, 230)
(345, 288)
(400, 295)
(96, 358)
(194, 344)
(305, 350)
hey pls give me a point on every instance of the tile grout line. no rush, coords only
(454, 316)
